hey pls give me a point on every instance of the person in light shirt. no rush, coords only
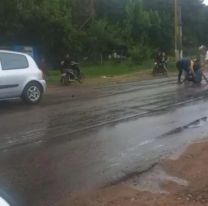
(203, 59)
(206, 57)
(203, 55)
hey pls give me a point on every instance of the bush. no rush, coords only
(138, 54)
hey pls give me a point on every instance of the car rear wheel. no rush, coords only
(32, 93)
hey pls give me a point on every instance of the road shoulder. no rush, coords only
(182, 181)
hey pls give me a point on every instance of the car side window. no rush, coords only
(13, 61)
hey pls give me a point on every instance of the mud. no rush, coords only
(173, 182)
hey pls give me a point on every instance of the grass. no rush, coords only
(53, 76)
(109, 69)
(113, 69)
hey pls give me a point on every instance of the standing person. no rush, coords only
(203, 59)
(206, 57)
(205, 63)
(203, 53)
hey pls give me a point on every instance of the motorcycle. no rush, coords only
(160, 68)
(71, 74)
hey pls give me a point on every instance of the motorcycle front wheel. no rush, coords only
(154, 71)
(65, 80)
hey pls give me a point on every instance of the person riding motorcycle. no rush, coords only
(160, 60)
(164, 59)
(66, 63)
(158, 57)
(69, 66)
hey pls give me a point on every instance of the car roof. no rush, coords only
(13, 52)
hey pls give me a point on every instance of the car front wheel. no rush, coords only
(32, 93)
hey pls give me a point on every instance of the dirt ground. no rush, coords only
(182, 181)
(105, 80)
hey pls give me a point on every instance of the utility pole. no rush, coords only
(84, 12)
(92, 12)
(178, 30)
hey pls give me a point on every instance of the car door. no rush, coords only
(13, 73)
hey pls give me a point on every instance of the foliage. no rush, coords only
(94, 28)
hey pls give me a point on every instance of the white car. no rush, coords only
(20, 77)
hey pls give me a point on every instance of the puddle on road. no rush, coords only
(198, 123)
(195, 124)
(153, 180)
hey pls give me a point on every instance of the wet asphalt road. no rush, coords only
(79, 139)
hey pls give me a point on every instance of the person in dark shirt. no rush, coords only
(66, 63)
(191, 68)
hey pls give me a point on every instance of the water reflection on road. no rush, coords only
(66, 145)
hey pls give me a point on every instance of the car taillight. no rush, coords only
(42, 74)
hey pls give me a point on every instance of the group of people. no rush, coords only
(192, 67)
